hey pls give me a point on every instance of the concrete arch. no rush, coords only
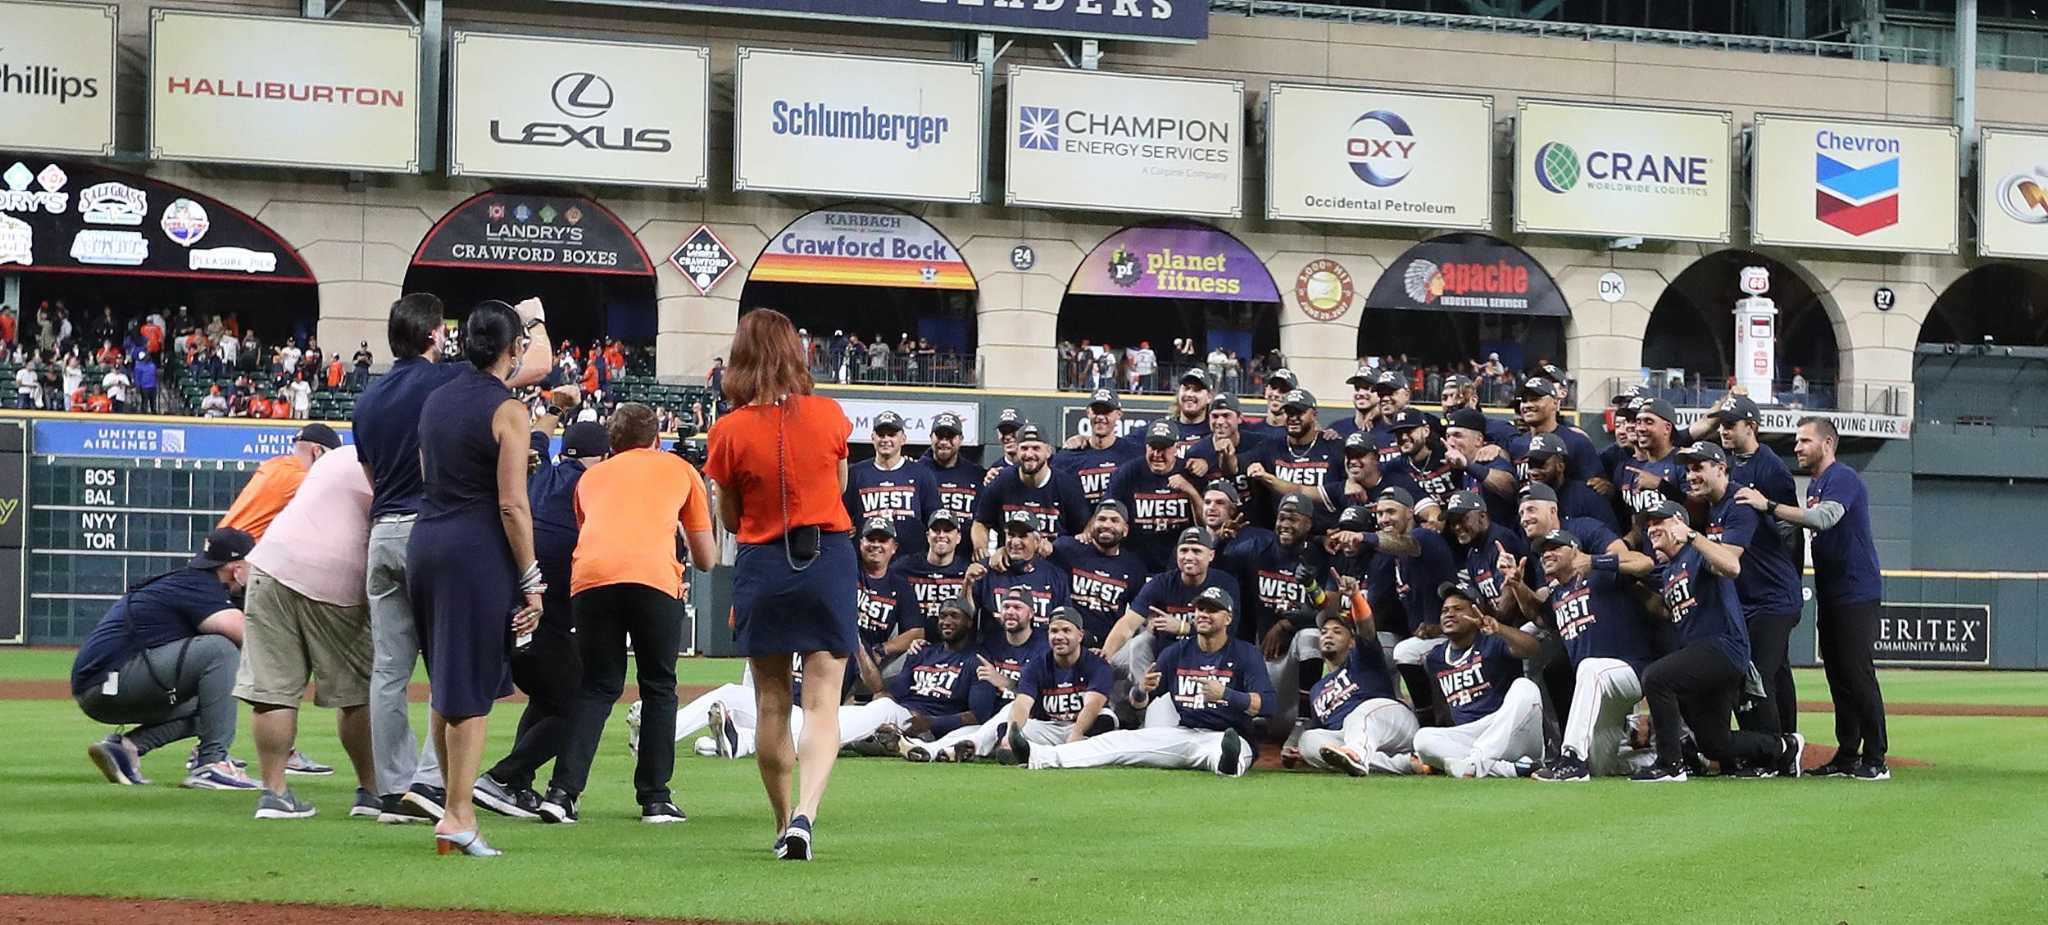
(2017, 295)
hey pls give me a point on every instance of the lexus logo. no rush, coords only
(582, 95)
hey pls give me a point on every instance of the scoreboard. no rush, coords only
(112, 503)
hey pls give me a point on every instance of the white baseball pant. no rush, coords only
(1177, 747)
(1488, 746)
(856, 722)
(988, 736)
(1606, 692)
(695, 716)
(1381, 731)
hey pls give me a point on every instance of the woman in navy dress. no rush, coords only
(779, 459)
(472, 575)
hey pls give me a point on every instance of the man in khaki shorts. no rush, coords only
(308, 619)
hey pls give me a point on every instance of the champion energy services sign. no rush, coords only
(826, 124)
(57, 77)
(1622, 170)
(1125, 143)
(1344, 154)
(559, 109)
(1858, 185)
(290, 92)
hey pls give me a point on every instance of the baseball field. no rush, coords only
(1955, 836)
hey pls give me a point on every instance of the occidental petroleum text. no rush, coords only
(1150, 137)
(818, 120)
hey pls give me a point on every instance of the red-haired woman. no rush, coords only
(779, 458)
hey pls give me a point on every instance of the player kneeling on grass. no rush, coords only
(1061, 696)
(1359, 724)
(999, 662)
(1607, 637)
(1497, 713)
(1214, 682)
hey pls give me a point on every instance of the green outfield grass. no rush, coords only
(1955, 842)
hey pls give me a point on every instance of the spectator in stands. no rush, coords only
(716, 380)
(145, 384)
(152, 332)
(314, 360)
(98, 402)
(118, 385)
(74, 382)
(7, 326)
(287, 359)
(65, 332)
(336, 371)
(363, 359)
(252, 352)
(105, 328)
(302, 397)
(27, 391)
(214, 405)
(880, 358)
(281, 406)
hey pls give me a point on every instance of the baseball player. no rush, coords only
(1291, 586)
(1539, 400)
(1365, 475)
(1621, 413)
(885, 608)
(1161, 499)
(1415, 562)
(1163, 611)
(999, 663)
(1496, 714)
(1215, 684)
(1191, 405)
(1365, 417)
(1459, 391)
(1228, 449)
(1478, 543)
(1008, 422)
(1767, 583)
(1020, 563)
(1546, 464)
(938, 577)
(1305, 462)
(1422, 454)
(1480, 466)
(1753, 464)
(1094, 458)
(1052, 499)
(1103, 576)
(1359, 724)
(890, 486)
(1606, 636)
(958, 478)
(1279, 382)
(1698, 685)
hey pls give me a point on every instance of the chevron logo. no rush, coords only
(1858, 200)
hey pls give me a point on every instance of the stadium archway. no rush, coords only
(2001, 304)
(1150, 285)
(1689, 344)
(519, 242)
(1459, 298)
(856, 274)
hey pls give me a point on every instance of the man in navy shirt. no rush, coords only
(1163, 611)
(1094, 458)
(1539, 401)
(1478, 543)
(1698, 685)
(1545, 458)
(1370, 409)
(958, 478)
(1365, 475)
(1191, 405)
(164, 659)
(1768, 585)
(1279, 382)
(1061, 698)
(1288, 584)
(1020, 563)
(885, 608)
(940, 576)
(890, 486)
(1847, 587)
(1460, 393)
(1229, 448)
(1482, 467)
(387, 436)
(1496, 714)
(1000, 662)
(1360, 726)
(1161, 499)
(1053, 499)
(1103, 575)
(1606, 637)
(1654, 476)
(1304, 463)
(1421, 562)
(1215, 685)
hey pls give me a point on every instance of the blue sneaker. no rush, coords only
(112, 758)
(220, 775)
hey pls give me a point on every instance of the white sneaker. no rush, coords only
(220, 775)
(633, 728)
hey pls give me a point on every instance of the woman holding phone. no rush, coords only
(779, 458)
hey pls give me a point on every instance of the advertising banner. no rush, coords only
(290, 92)
(1376, 157)
(573, 109)
(1125, 142)
(847, 247)
(1622, 171)
(76, 217)
(515, 231)
(917, 418)
(133, 440)
(57, 77)
(812, 122)
(1133, 20)
(2012, 194)
(1946, 634)
(1175, 262)
(1856, 185)
(1847, 423)
(1477, 275)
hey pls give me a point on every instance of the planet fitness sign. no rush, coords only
(1175, 262)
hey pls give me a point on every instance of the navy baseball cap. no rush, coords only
(1359, 444)
(1626, 395)
(1197, 535)
(1161, 435)
(222, 546)
(1659, 407)
(1665, 510)
(586, 440)
(1196, 376)
(1365, 375)
(1555, 539)
(1227, 489)
(1064, 615)
(1398, 495)
(943, 515)
(1298, 399)
(1741, 408)
(1029, 433)
(946, 424)
(1008, 420)
(1539, 386)
(1464, 502)
(1222, 403)
(1215, 599)
(954, 605)
(881, 526)
(321, 434)
(1294, 504)
(1539, 491)
(1018, 593)
(888, 420)
(1457, 381)
(1407, 419)
(1104, 398)
(1471, 419)
(1460, 587)
(1021, 519)
(1545, 446)
(1703, 451)
(1282, 379)
(1390, 381)
(1357, 517)
(1112, 504)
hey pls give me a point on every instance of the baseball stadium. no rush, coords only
(559, 461)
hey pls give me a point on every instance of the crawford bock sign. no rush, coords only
(812, 122)
(57, 77)
(571, 109)
(291, 92)
(1126, 142)
(1135, 20)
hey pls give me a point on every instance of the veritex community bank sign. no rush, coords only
(1142, 20)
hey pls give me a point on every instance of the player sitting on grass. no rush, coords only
(1497, 713)
(1359, 725)
(1213, 683)
(999, 662)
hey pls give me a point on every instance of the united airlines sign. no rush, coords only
(1137, 20)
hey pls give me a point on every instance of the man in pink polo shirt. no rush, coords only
(308, 618)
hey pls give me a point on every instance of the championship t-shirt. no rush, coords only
(1238, 665)
(1474, 681)
(1844, 556)
(1364, 677)
(1059, 692)
(1101, 587)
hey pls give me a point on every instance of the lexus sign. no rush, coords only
(562, 109)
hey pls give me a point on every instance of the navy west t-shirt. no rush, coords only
(1159, 512)
(1047, 583)
(958, 485)
(1768, 584)
(1319, 465)
(1364, 677)
(1416, 578)
(1597, 618)
(1582, 460)
(936, 681)
(1273, 571)
(1764, 471)
(906, 495)
(990, 702)
(1093, 467)
(1474, 681)
(387, 431)
(164, 610)
(1482, 559)
(1704, 607)
(1175, 597)
(1844, 557)
(884, 607)
(931, 586)
(1058, 505)
(1100, 587)
(1671, 484)
(551, 492)
(1058, 693)
(1239, 665)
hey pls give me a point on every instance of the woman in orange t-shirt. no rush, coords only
(779, 460)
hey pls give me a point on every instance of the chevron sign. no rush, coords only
(1857, 184)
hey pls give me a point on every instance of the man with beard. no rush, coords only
(1053, 500)
(885, 609)
(1606, 638)
(1460, 392)
(1225, 453)
(1654, 476)
(999, 663)
(1422, 457)
(1479, 543)
(1104, 576)
(1546, 463)
(1278, 383)
(1060, 698)
(1415, 562)
(1222, 514)
(1359, 725)
(1020, 563)
(1093, 459)
(958, 478)
(1191, 405)
(1305, 463)
(1539, 400)
(1161, 500)
(889, 486)
(1767, 585)
(1623, 412)
(940, 576)
(1161, 614)
(1364, 475)
(1368, 414)
(1483, 467)
(1291, 585)
(1215, 684)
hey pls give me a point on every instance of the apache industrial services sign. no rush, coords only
(1847, 423)
(562, 109)
(1135, 20)
(1859, 185)
(1376, 157)
(826, 124)
(1126, 142)
(290, 92)
(1622, 170)
(57, 77)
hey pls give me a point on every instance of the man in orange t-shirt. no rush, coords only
(626, 580)
(277, 480)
